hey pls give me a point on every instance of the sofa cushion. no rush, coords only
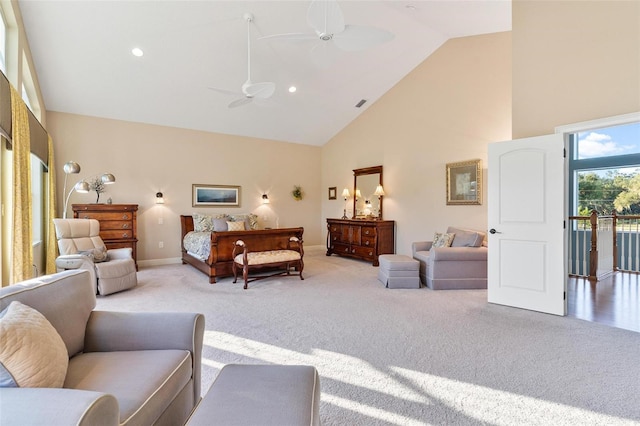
(442, 239)
(143, 382)
(32, 351)
(466, 238)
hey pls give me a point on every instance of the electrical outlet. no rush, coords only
(161, 244)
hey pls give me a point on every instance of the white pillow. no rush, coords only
(32, 351)
(235, 226)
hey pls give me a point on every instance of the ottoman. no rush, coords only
(266, 395)
(398, 271)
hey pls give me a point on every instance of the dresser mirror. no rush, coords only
(366, 203)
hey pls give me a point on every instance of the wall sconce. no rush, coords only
(159, 198)
(345, 195)
(265, 199)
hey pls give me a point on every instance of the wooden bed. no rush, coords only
(220, 261)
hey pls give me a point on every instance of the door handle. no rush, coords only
(493, 231)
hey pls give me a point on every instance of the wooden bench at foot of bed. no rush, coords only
(249, 260)
(220, 260)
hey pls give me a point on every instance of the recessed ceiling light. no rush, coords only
(136, 51)
(292, 89)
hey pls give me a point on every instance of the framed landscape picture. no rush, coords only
(215, 195)
(464, 183)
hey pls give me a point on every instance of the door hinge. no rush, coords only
(564, 152)
(565, 295)
(564, 224)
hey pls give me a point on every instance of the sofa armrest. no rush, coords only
(120, 253)
(135, 331)
(421, 246)
(458, 254)
(54, 406)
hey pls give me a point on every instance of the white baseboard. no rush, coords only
(156, 262)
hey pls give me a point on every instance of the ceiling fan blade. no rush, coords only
(290, 36)
(325, 17)
(225, 91)
(323, 54)
(260, 90)
(239, 102)
(356, 37)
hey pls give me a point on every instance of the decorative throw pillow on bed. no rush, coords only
(32, 354)
(442, 239)
(235, 226)
(202, 223)
(220, 225)
(250, 219)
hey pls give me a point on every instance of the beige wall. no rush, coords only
(146, 159)
(446, 110)
(573, 61)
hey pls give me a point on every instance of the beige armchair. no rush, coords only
(81, 247)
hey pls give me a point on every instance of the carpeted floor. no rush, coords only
(405, 357)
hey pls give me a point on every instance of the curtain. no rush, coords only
(22, 252)
(50, 213)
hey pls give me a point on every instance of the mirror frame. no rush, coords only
(366, 171)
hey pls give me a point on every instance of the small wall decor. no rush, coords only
(333, 193)
(297, 192)
(215, 195)
(464, 183)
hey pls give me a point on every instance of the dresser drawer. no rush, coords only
(368, 241)
(106, 225)
(368, 231)
(341, 248)
(116, 234)
(363, 252)
(106, 215)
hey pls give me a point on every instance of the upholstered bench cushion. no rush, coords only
(143, 382)
(271, 256)
(266, 395)
(398, 262)
(398, 271)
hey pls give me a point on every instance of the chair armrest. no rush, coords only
(458, 254)
(120, 253)
(135, 331)
(421, 246)
(74, 261)
(54, 406)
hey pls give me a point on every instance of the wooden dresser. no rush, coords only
(118, 223)
(361, 239)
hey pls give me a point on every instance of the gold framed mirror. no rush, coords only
(367, 193)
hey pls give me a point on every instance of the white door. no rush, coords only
(526, 196)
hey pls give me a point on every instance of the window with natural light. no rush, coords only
(606, 170)
(3, 43)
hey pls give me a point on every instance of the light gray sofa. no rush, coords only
(461, 266)
(124, 367)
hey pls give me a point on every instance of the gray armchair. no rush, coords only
(463, 265)
(134, 368)
(81, 247)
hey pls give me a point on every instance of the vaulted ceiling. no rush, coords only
(82, 55)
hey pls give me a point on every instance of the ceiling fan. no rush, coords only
(326, 19)
(249, 90)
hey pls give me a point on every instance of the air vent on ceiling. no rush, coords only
(359, 104)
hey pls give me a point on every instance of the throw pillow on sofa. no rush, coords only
(442, 239)
(32, 353)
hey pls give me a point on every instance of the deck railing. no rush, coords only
(601, 245)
